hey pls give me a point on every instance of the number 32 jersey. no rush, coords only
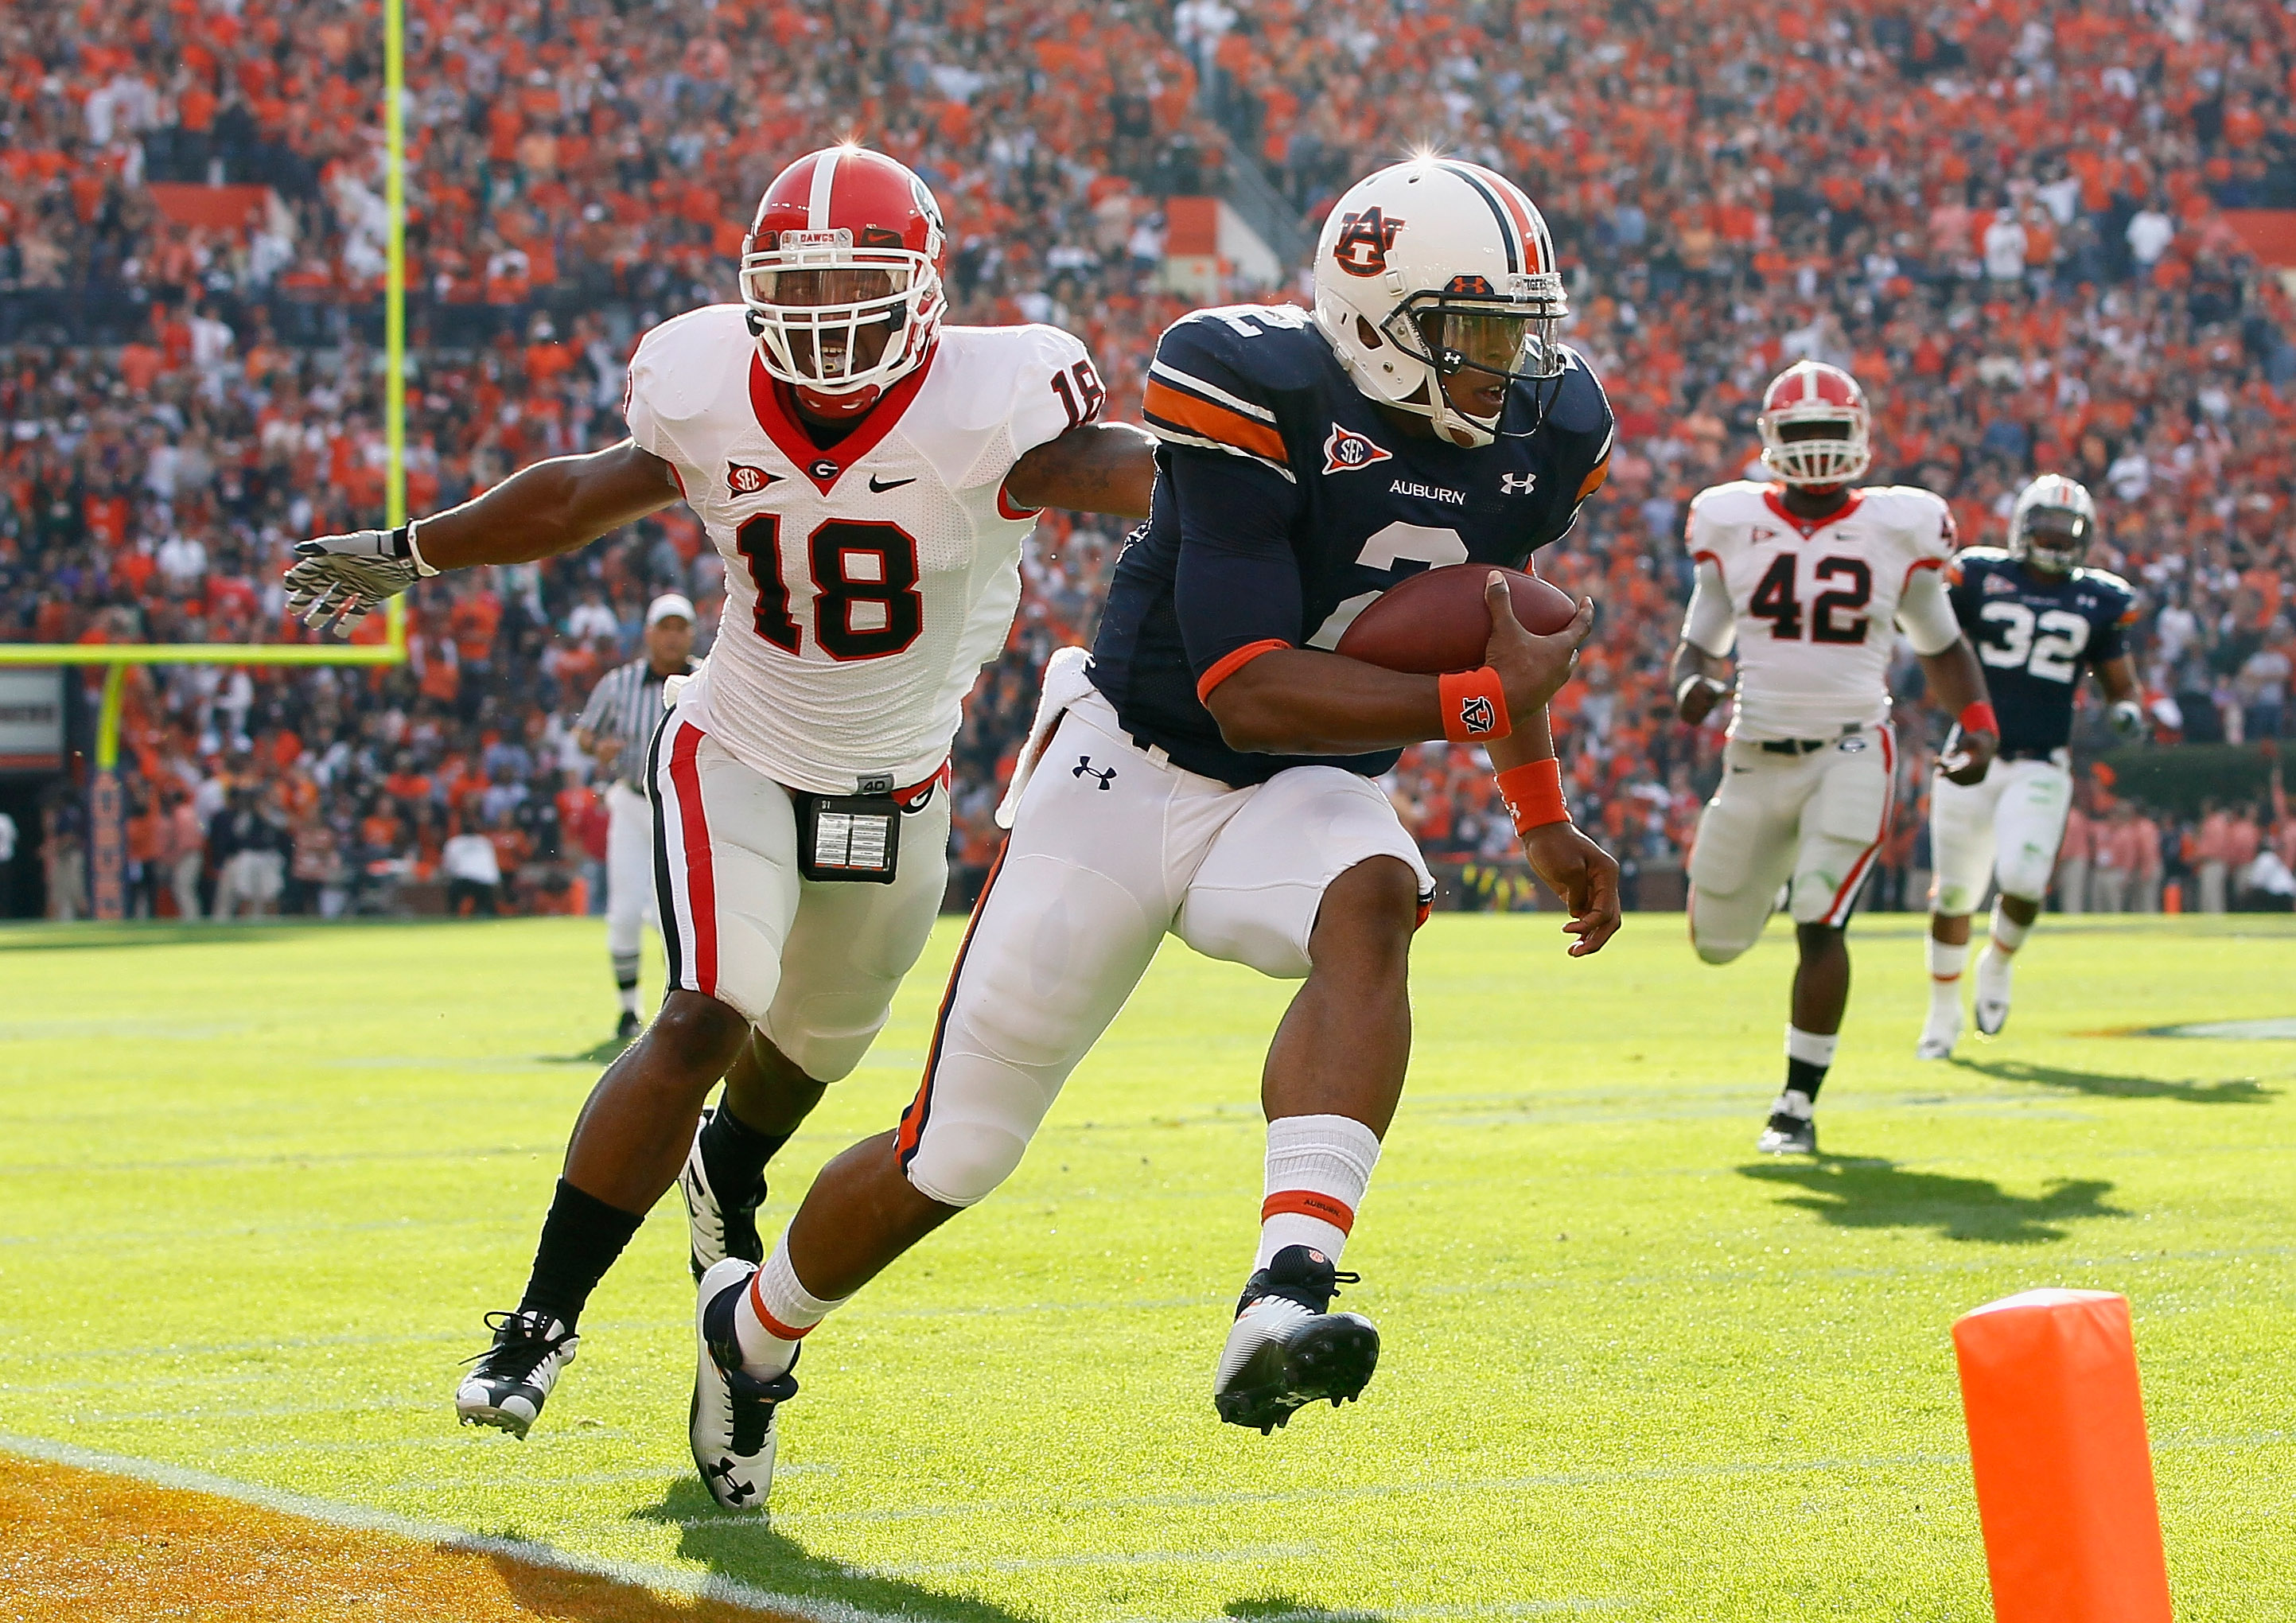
(866, 582)
(2035, 634)
(1815, 603)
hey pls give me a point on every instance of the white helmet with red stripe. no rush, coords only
(841, 271)
(1811, 393)
(1434, 266)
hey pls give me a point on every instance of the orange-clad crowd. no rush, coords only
(2027, 227)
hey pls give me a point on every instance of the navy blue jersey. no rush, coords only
(2035, 634)
(1285, 503)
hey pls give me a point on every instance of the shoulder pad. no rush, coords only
(1576, 404)
(1982, 555)
(1220, 375)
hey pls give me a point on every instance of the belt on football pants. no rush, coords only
(1806, 746)
(2032, 752)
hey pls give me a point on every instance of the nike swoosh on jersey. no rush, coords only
(876, 489)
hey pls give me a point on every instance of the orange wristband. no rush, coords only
(1533, 793)
(1474, 705)
(1977, 716)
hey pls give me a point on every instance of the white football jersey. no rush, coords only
(867, 582)
(1815, 604)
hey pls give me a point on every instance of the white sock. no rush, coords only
(630, 996)
(775, 1313)
(2008, 935)
(1946, 963)
(1318, 1168)
(1809, 1047)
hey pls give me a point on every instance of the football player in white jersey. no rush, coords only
(1808, 576)
(869, 475)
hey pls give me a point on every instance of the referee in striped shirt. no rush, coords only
(615, 728)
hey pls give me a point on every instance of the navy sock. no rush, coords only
(1804, 1078)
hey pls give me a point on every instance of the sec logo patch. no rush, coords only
(1346, 450)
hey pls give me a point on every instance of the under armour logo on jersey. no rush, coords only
(1517, 484)
(1346, 450)
(1477, 716)
(743, 480)
(1084, 768)
(1364, 240)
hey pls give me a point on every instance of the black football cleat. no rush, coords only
(516, 1374)
(716, 1228)
(1286, 1349)
(1788, 1135)
(627, 1029)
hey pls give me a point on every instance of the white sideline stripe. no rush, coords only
(335, 1513)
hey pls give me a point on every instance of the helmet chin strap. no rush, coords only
(1451, 424)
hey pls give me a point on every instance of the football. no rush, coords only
(1436, 621)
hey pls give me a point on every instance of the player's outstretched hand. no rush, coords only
(339, 579)
(1532, 669)
(1968, 756)
(1586, 877)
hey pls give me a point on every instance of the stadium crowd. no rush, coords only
(2019, 224)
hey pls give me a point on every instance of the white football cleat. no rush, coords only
(1992, 991)
(1941, 1032)
(1286, 1349)
(731, 1425)
(516, 1374)
(715, 1229)
(1792, 1126)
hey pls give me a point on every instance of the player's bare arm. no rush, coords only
(1096, 467)
(1698, 680)
(1958, 682)
(1582, 874)
(2118, 677)
(540, 512)
(1304, 702)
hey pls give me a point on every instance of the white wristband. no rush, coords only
(414, 551)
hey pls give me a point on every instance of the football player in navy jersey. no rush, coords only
(1208, 771)
(2038, 619)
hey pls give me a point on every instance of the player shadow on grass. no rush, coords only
(746, 1549)
(2233, 1090)
(1852, 1192)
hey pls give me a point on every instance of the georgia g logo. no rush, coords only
(1477, 717)
(1364, 240)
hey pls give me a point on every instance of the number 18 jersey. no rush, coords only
(866, 582)
(1815, 603)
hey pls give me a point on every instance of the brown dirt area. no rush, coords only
(77, 1546)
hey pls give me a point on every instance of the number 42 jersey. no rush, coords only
(1815, 603)
(2035, 634)
(866, 582)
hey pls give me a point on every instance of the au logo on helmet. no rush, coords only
(1364, 240)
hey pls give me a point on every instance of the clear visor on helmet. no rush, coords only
(1503, 338)
(2052, 536)
(833, 318)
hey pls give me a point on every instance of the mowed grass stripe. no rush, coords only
(1629, 1367)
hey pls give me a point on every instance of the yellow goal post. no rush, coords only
(107, 829)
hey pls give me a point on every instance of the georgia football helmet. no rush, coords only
(2052, 523)
(1435, 266)
(845, 241)
(1813, 392)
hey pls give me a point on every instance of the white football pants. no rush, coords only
(1816, 819)
(812, 964)
(630, 902)
(1112, 849)
(2005, 829)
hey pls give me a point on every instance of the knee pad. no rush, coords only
(2024, 874)
(1954, 898)
(959, 1163)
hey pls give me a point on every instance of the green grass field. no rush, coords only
(260, 1182)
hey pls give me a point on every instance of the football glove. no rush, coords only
(341, 579)
(2129, 721)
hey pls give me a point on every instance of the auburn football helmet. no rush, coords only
(841, 272)
(1435, 266)
(1813, 392)
(2052, 523)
